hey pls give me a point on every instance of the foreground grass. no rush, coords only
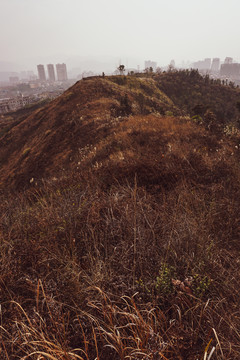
(133, 257)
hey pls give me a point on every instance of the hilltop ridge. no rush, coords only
(50, 138)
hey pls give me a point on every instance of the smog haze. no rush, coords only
(34, 31)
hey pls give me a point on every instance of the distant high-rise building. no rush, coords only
(61, 72)
(23, 75)
(26, 75)
(30, 73)
(51, 72)
(41, 73)
(203, 65)
(207, 63)
(228, 60)
(150, 64)
(215, 65)
(231, 70)
(13, 79)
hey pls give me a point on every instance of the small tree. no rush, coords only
(121, 69)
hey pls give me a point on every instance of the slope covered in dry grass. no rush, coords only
(130, 249)
(50, 138)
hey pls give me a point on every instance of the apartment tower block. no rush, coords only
(51, 73)
(41, 73)
(61, 72)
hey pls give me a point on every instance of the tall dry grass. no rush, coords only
(136, 258)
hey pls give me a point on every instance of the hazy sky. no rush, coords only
(136, 30)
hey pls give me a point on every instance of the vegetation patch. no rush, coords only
(119, 234)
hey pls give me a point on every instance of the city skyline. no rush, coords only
(51, 73)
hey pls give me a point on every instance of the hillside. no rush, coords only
(9, 120)
(188, 89)
(52, 137)
(119, 226)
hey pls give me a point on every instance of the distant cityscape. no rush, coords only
(26, 88)
(19, 92)
(229, 69)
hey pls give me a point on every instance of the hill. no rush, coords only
(120, 230)
(196, 94)
(51, 137)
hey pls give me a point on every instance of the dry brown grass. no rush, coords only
(129, 253)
